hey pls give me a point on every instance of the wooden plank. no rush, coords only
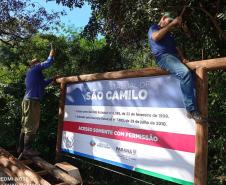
(201, 152)
(56, 172)
(42, 172)
(65, 166)
(4, 178)
(70, 169)
(26, 161)
(10, 174)
(16, 169)
(210, 65)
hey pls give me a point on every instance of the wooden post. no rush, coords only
(60, 121)
(201, 152)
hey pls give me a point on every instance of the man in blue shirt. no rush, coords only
(170, 58)
(35, 84)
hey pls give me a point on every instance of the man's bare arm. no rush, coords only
(52, 53)
(158, 35)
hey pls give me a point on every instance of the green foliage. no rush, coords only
(20, 19)
(9, 111)
(126, 23)
(217, 128)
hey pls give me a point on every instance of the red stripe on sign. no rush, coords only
(174, 141)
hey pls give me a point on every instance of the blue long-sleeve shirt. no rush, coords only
(166, 45)
(35, 81)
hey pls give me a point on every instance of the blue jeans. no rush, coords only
(174, 66)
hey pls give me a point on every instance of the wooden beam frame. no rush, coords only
(200, 67)
(210, 65)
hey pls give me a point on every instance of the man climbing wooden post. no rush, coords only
(35, 85)
(169, 57)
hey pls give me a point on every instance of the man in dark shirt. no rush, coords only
(35, 84)
(170, 58)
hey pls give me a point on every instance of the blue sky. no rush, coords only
(77, 17)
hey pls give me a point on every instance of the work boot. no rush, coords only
(28, 140)
(194, 115)
(20, 146)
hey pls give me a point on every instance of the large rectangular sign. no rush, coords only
(137, 123)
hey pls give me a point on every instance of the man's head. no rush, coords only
(166, 19)
(33, 62)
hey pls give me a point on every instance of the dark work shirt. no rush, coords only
(35, 81)
(166, 45)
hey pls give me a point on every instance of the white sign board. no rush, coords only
(137, 123)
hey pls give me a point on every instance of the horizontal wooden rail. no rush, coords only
(209, 65)
(113, 75)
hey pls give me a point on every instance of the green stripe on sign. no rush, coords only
(172, 179)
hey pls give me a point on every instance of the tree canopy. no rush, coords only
(125, 23)
(20, 19)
